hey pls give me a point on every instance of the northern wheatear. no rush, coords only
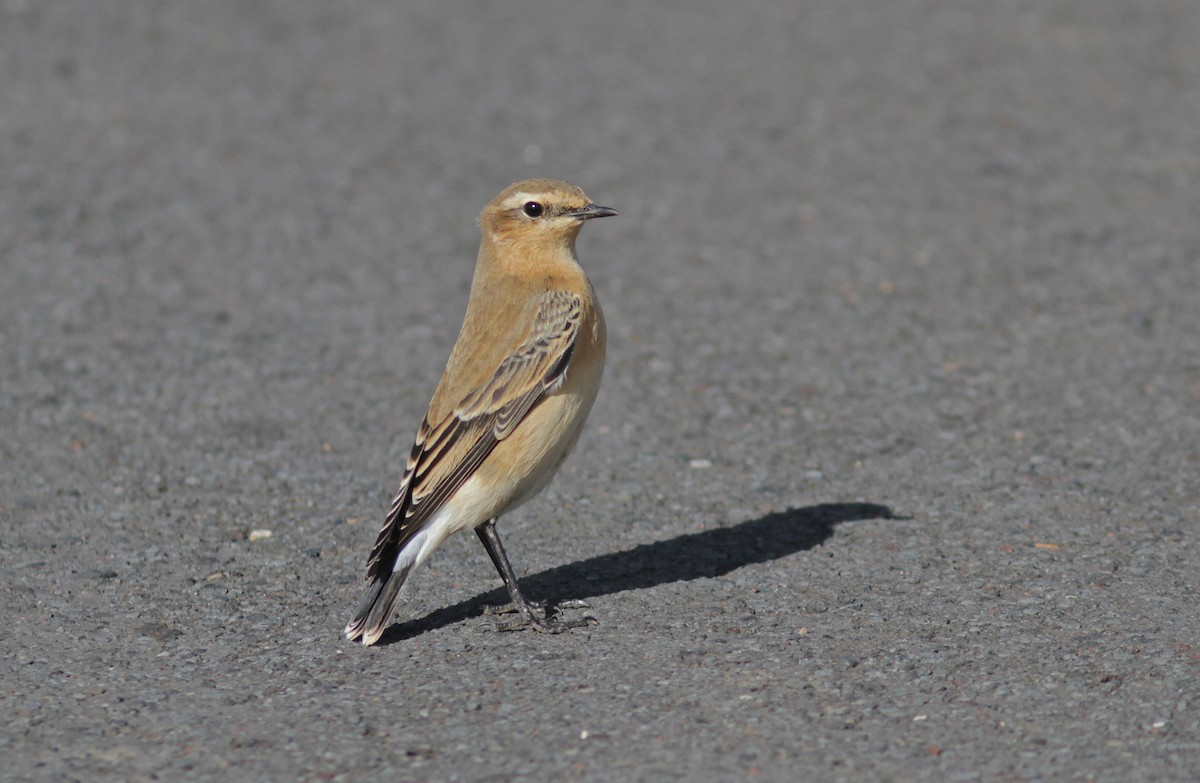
(517, 388)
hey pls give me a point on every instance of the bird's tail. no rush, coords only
(375, 610)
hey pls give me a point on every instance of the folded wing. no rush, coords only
(448, 451)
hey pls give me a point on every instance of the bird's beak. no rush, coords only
(593, 211)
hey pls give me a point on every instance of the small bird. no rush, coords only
(511, 403)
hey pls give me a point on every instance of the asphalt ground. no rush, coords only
(893, 474)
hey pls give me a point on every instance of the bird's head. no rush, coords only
(547, 212)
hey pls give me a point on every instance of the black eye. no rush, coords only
(533, 209)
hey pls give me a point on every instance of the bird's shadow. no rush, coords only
(706, 554)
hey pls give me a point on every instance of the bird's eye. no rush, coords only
(533, 209)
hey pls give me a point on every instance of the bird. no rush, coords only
(511, 404)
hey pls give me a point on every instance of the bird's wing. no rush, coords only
(448, 450)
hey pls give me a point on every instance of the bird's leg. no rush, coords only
(537, 616)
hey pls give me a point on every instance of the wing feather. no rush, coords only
(447, 452)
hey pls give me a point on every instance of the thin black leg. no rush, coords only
(530, 612)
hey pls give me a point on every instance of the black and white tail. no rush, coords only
(375, 610)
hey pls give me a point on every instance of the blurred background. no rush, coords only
(939, 259)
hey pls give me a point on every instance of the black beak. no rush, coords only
(594, 211)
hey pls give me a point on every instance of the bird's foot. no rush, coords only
(542, 616)
(537, 606)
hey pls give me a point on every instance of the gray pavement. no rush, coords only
(893, 476)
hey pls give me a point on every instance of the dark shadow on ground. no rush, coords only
(706, 554)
